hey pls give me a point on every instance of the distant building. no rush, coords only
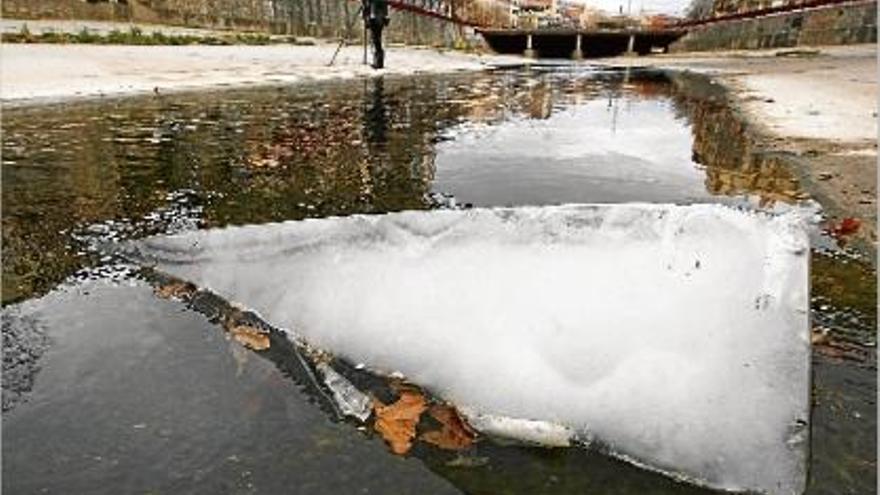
(617, 22)
(659, 21)
(532, 14)
(590, 17)
(546, 6)
(495, 13)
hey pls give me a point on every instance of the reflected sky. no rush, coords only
(624, 148)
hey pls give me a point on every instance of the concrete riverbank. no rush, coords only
(47, 72)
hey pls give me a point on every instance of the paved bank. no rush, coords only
(821, 93)
(33, 73)
(819, 104)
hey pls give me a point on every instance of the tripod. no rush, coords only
(348, 34)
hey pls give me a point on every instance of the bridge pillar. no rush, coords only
(530, 52)
(578, 53)
(631, 45)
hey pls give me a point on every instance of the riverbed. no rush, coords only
(108, 388)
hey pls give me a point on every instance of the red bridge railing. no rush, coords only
(807, 4)
(407, 6)
(419, 10)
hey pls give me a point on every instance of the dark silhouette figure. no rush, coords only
(375, 19)
(376, 117)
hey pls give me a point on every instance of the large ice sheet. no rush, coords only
(675, 336)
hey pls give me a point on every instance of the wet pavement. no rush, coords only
(109, 389)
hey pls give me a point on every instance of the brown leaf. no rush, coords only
(230, 318)
(176, 289)
(846, 227)
(251, 337)
(819, 338)
(397, 422)
(267, 162)
(455, 434)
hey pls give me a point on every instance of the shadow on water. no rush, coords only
(76, 176)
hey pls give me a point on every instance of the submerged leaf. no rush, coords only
(455, 434)
(251, 337)
(397, 422)
(175, 289)
(818, 337)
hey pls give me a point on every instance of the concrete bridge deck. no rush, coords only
(579, 43)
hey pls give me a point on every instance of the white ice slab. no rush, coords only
(676, 336)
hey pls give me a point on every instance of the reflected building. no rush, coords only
(141, 166)
(540, 101)
(735, 165)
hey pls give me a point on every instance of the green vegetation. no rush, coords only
(136, 36)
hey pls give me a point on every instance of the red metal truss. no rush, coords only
(806, 4)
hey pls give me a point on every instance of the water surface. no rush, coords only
(108, 389)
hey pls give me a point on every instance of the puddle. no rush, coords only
(127, 378)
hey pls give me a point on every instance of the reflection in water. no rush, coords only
(78, 175)
(598, 141)
(722, 144)
(99, 172)
(375, 118)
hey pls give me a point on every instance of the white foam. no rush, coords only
(677, 336)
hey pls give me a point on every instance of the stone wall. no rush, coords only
(64, 9)
(838, 25)
(320, 18)
(727, 7)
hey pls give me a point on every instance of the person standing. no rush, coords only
(375, 19)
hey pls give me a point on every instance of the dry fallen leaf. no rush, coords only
(397, 422)
(251, 337)
(175, 289)
(456, 434)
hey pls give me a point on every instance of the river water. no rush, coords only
(109, 389)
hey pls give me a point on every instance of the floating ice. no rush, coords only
(351, 401)
(673, 336)
(538, 432)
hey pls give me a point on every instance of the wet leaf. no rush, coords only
(250, 337)
(176, 289)
(819, 337)
(455, 434)
(230, 318)
(397, 422)
(267, 162)
(847, 226)
(839, 350)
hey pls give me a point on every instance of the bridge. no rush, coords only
(571, 42)
(556, 42)
(579, 43)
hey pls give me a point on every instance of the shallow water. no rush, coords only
(137, 394)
